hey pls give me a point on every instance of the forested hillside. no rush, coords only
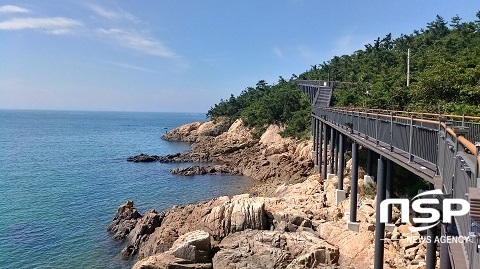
(444, 76)
(265, 104)
(444, 70)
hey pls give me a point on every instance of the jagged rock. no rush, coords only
(124, 221)
(274, 249)
(180, 220)
(144, 226)
(219, 217)
(251, 232)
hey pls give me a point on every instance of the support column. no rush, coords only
(340, 164)
(353, 224)
(431, 257)
(340, 193)
(332, 149)
(380, 227)
(337, 147)
(319, 146)
(313, 127)
(389, 188)
(444, 252)
(315, 141)
(369, 178)
(388, 194)
(325, 151)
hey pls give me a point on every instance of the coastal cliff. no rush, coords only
(288, 220)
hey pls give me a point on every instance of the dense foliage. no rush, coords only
(444, 76)
(444, 70)
(281, 104)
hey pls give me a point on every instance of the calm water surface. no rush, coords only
(63, 175)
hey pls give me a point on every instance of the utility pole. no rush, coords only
(408, 67)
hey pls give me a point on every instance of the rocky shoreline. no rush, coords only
(290, 220)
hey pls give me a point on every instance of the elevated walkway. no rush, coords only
(319, 92)
(439, 148)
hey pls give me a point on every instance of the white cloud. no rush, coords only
(54, 25)
(307, 53)
(138, 42)
(111, 14)
(13, 9)
(278, 52)
(129, 66)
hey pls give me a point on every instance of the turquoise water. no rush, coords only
(63, 175)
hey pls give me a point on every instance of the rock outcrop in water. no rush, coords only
(145, 158)
(124, 220)
(203, 170)
(130, 226)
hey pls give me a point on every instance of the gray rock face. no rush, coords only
(275, 249)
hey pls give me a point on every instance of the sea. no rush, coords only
(63, 175)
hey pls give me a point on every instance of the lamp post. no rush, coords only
(367, 94)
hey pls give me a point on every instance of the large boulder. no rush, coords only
(193, 246)
(191, 250)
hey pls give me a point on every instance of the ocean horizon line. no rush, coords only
(96, 111)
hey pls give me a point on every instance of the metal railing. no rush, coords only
(411, 138)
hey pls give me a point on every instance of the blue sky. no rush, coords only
(182, 56)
